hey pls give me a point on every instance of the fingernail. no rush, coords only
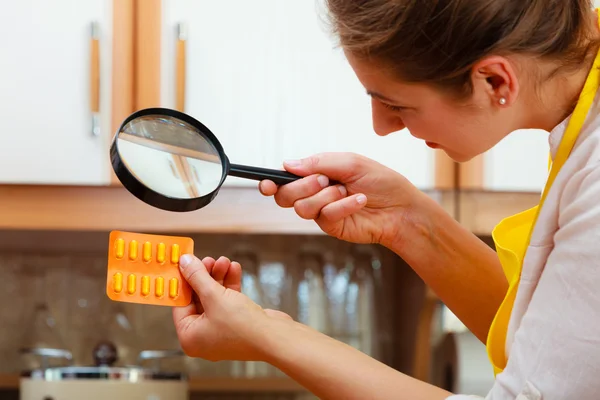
(343, 190)
(185, 260)
(292, 163)
(361, 199)
(323, 181)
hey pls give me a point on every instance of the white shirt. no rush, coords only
(553, 338)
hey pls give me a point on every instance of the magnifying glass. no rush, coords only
(173, 162)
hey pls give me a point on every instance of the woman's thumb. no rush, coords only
(196, 274)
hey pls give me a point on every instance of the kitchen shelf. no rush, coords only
(234, 210)
(272, 385)
(282, 385)
(73, 208)
(480, 211)
(8, 381)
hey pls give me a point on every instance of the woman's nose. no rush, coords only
(384, 120)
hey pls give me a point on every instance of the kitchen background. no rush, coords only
(267, 78)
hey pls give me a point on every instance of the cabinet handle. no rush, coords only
(95, 78)
(180, 67)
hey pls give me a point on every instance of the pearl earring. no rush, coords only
(502, 101)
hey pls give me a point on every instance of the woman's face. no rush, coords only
(462, 129)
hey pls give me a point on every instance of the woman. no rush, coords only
(460, 75)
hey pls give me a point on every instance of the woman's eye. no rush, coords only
(393, 108)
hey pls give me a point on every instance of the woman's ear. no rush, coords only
(496, 78)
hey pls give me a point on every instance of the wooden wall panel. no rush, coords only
(147, 34)
(122, 68)
(445, 171)
(471, 174)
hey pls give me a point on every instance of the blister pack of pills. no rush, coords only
(144, 268)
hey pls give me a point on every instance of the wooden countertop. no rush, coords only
(235, 210)
(208, 384)
(480, 211)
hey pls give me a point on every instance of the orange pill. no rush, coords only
(161, 253)
(120, 250)
(131, 284)
(145, 290)
(147, 252)
(118, 282)
(173, 288)
(159, 288)
(133, 250)
(175, 254)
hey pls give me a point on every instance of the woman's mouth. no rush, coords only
(432, 145)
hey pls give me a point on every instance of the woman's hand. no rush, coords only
(221, 323)
(368, 206)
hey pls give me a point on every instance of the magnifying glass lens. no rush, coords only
(171, 161)
(170, 156)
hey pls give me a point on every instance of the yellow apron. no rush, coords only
(512, 235)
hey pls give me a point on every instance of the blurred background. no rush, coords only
(269, 80)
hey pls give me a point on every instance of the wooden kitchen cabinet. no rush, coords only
(266, 77)
(519, 163)
(55, 80)
(505, 180)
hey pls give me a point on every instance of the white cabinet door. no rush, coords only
(266, 78)
(46, 134)
(330, 110)
(231, 72)
(519, 163)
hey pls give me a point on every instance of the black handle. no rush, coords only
(259, 174)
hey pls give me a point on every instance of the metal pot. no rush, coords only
(102, 381)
